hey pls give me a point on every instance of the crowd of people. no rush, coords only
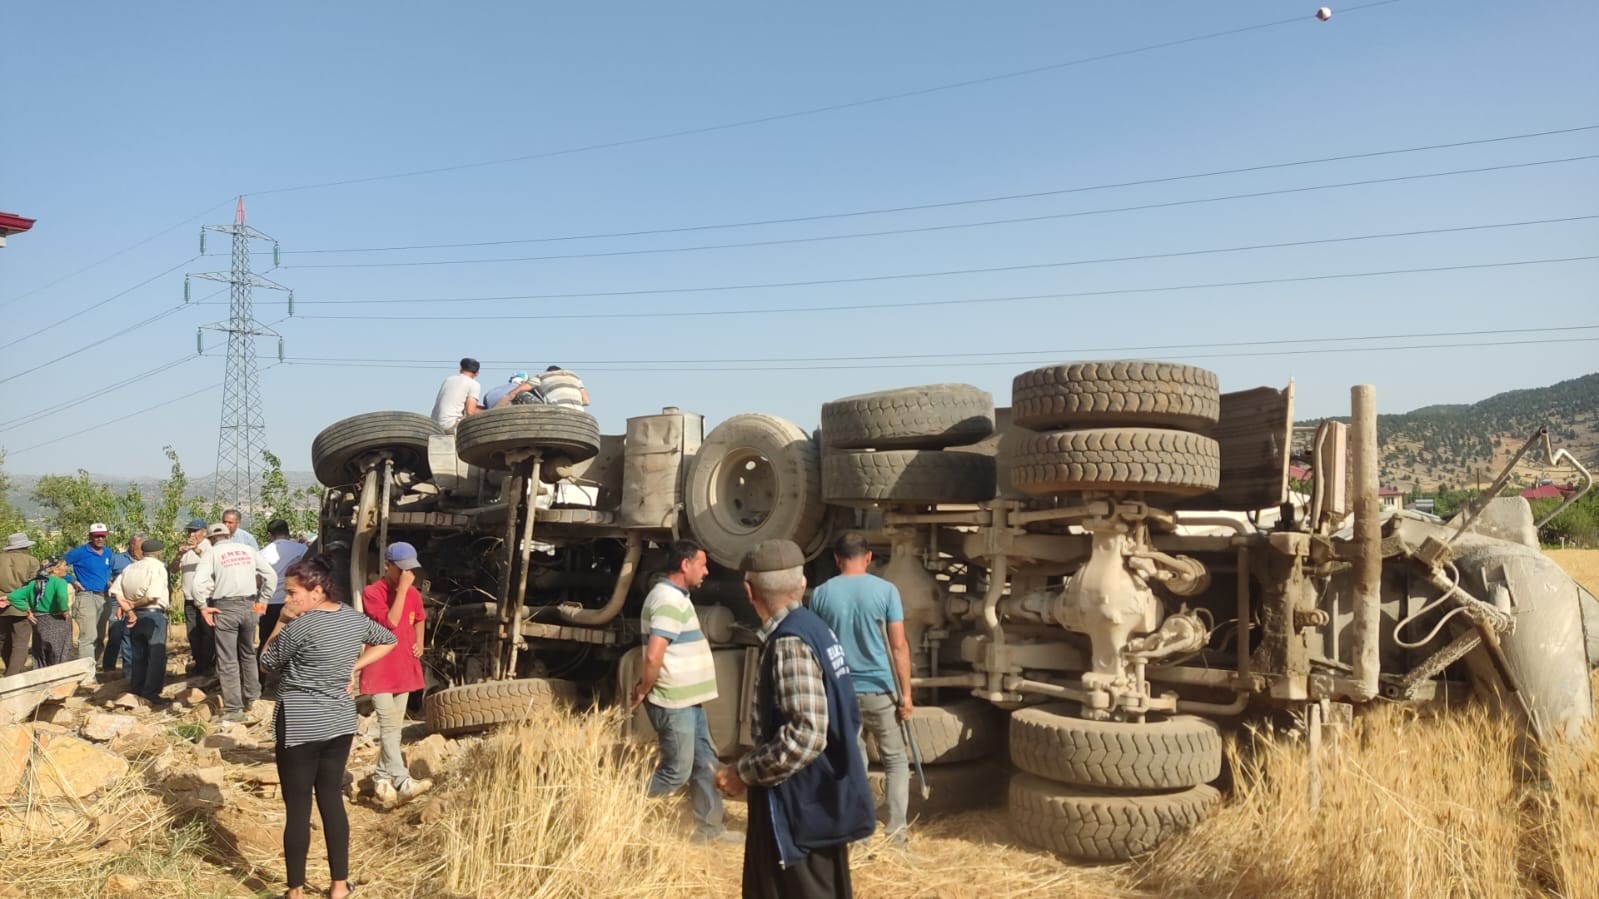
(249, 609)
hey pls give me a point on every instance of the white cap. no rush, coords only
(98, 528)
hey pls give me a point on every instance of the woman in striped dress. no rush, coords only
(318, 647)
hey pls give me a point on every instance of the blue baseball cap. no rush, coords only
(403, 555)
(197, 524)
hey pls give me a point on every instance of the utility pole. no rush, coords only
(242, 435)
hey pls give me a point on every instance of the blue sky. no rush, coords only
(125, 120)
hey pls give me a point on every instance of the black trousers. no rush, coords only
(306, 769)
(823, 874)
(202, 640)
(16, 640)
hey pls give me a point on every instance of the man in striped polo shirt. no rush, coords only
(679, 677)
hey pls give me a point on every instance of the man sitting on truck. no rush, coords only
(563, 388)
(506, 394)
(459, 396)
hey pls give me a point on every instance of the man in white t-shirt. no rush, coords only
(280, 554)
(459, 396)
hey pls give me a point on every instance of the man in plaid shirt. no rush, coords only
(807, 781)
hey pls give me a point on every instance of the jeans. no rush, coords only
(118, 646)
(390, 709)
(687, 757)
(878, 715)
(147, 639)
(87, 609)
(237, 667)
(202, 640)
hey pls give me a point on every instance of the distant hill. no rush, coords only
(22, 487)
(1460, 445)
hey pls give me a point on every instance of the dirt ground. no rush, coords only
(1581, 564)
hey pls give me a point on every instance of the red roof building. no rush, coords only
(1543, 491)
(11, 223)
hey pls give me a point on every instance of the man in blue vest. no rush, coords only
(807, 782)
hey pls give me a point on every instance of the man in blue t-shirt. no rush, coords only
(865, 612)
(91, 574)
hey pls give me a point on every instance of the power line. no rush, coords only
(923, 229)
(951, 203)
(108, 299)
(1274, 341)
(812, 111)
(120, 332)
(95, 427)
(97, 264)
(964, 301)
(58, 405)
(1034, 266)
(1042, 356)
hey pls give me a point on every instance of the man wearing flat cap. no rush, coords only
(185, 560)
(143, 592)
(807, 782)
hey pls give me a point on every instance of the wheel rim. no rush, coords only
(747, 487)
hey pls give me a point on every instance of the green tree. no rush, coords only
(73, 503)
(296, 506)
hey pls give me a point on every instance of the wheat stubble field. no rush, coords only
(1445, 802)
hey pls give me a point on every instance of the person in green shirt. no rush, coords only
(46, 600)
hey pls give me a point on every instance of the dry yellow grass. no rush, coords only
(1581, 564)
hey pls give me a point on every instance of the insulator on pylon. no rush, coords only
(185, 288)
(280, 349)
(291, 304)
(199, 342)
(202, 243)
(277, 259)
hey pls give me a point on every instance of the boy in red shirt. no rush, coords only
(390, 680)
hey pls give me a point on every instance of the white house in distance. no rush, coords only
(1391, 497)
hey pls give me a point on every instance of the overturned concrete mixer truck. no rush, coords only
(1096, 579)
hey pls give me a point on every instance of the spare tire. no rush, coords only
(1098, 825)
(754, 478)
(1144, 459)
(1182, 751)
(485, 439)
(478, 707)
(930, 417)
(923, 477)
(337, 450)
(1123, 393)
(961, 731)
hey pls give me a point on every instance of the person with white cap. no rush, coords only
(506, 394)
(228, 583)
(397, 606)
(91, 575)
(17, 567)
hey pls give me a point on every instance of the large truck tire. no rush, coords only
(929, 417)
(951, 789)
(755, 477)
(478, 707)
(485, 439)
(1181, 751)
(1099, 826)
(337, 450)
(1153, 460)
(962, 731)
(923, 477)
(1123, 394)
